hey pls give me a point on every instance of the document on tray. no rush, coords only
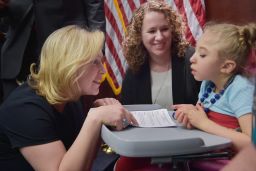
(153, 118)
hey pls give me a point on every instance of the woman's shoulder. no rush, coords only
(142, 72)
(24, 93)
(23, 97)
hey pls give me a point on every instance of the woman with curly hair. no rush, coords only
(158, 58)
(159, 67)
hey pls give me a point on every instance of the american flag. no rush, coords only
(119, 12)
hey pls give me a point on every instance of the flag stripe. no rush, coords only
(121, 6)
(112, 20)
(199, 11)
(203, 6)
(192, 21)
(117, 77)
(115, 64)
(182, 11)
(131, 4)
(112, 48)
(142, 1)
(112, 75)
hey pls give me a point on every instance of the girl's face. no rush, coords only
(206, 63)
(90, 76)
(156, 34)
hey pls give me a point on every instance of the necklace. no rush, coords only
(162, 82)
(217, 96)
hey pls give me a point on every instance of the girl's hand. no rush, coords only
(114, 115)
(180, 108)
(180, 115)
(105, 101)
(197, 116)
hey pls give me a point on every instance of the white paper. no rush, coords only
(153, 118)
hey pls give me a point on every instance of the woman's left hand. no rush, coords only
(105, 101)
(197, 116)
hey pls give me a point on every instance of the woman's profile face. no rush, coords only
(90, 76)
(156, 34)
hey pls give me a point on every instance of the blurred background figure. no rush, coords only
(30, 22)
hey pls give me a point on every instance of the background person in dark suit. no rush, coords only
(30, 23)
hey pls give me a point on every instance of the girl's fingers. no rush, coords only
(189, 126)
(179, 118)
(199, 107)
(177, 106)
(185, 120)
(178, 113)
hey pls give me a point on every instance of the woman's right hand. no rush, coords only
(113, 115)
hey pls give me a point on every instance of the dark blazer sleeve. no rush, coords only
(127, 93)
(136, 87)
(95, 14)
(20, 15)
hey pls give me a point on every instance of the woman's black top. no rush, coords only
(27, 119)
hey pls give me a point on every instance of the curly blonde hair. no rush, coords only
(133, 48)
(64, 52)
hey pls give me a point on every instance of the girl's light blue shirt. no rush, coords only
(237, 99)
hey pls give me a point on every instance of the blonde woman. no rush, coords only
(38, 121)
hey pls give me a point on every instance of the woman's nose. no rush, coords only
(159, 35)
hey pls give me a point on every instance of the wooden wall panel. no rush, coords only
(234, 11)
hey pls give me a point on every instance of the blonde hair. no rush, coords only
(64, 52)
(237, 43)
(133, 48)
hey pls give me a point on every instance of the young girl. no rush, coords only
(223, 60)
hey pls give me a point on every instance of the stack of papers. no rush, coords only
(153, 118)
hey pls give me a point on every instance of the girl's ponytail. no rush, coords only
(248, 33)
